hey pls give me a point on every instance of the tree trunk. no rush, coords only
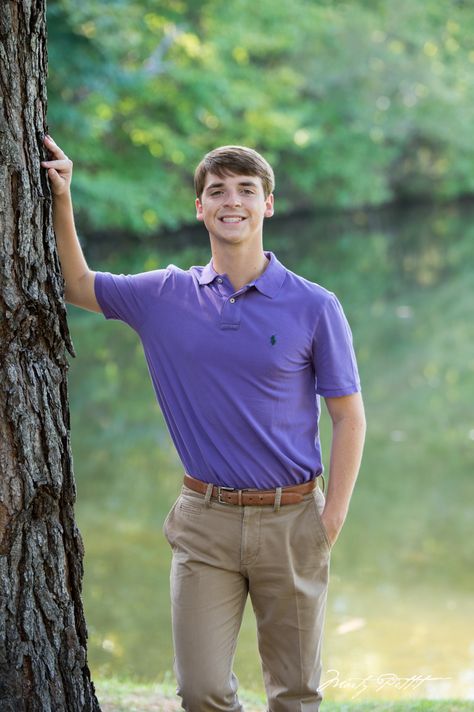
(43, 664)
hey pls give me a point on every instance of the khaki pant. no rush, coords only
(221, 553)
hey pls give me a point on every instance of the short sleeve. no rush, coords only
(128, 297)
(334, 359)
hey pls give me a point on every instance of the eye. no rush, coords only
(248, 191)
(216, 192)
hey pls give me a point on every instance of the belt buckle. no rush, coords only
(224, 489)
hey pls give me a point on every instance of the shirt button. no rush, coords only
(232, 300)
(220, 280)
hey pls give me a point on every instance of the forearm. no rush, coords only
(346, 455)
(73, 263)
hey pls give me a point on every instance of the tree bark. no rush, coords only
(43, 634)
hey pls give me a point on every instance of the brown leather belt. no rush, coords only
(249, 497)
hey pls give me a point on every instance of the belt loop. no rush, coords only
(324, 483)
(207, 498)
(276, 506)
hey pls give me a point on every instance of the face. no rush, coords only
(233, 208)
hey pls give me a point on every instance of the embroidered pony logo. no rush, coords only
(273, 340)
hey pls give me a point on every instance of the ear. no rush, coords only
(269, 206)
(199, 214)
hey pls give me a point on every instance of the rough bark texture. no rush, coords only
(43, 666)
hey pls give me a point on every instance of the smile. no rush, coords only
(236, 219)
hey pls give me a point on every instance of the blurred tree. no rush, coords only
(43, 633)
(356, 104)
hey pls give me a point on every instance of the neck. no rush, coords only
(242, 264)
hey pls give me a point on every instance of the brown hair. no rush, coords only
(239, 160)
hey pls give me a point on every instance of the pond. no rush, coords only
(400, 597)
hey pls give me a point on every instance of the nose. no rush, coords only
(232, 198)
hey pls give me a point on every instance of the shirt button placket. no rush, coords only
(230, 315)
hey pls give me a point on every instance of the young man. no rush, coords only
(239, 353)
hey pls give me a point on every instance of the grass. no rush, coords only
(121, 696)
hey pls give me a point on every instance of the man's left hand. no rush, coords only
(332, 526)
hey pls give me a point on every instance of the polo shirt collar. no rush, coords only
(269, 283)
(208, 274)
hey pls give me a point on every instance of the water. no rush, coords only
(400, 608)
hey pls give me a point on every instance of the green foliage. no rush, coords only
(355, 104)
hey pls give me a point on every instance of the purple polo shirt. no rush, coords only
(238, 374)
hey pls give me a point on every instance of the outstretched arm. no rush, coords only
(349, 426)
(79, 279)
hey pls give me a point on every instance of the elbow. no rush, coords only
(67, 295)
(74, 288)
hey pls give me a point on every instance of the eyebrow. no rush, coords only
(220, 184)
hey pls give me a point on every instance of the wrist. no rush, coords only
(335, 515)
(63, 197)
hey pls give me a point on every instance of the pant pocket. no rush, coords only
(190, 506)
(319, 501)
(165, 526)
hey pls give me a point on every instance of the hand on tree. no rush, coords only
(59, 169)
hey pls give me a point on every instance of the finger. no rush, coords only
(53, 147)
(55, 178)
(60, 164)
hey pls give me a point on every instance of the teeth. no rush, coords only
(231, 220)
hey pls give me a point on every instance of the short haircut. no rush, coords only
(234, 160)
